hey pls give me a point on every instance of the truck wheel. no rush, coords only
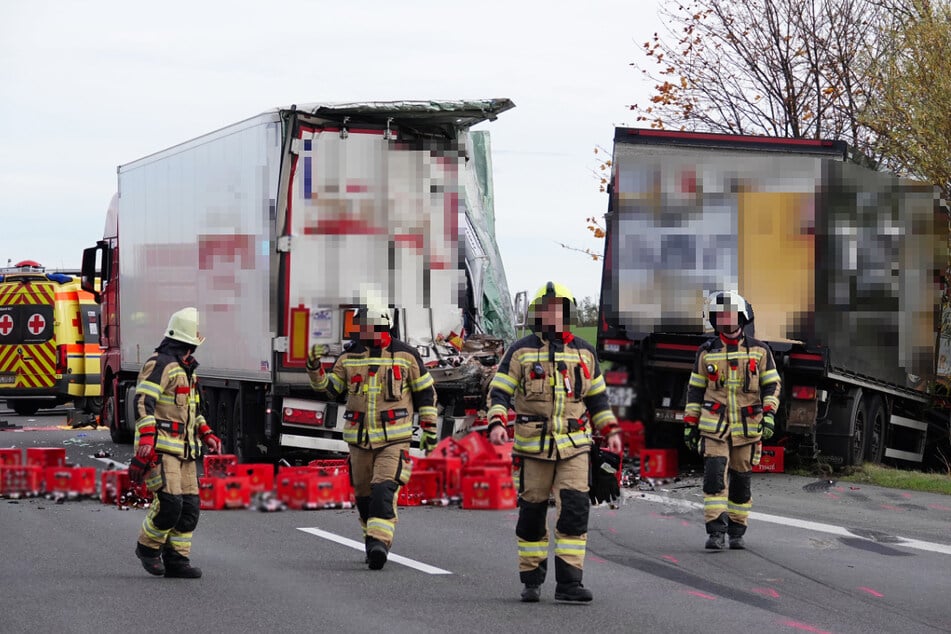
(223, 420)
(859, 433)
(109, 418)
(24, 408)
(875, 419)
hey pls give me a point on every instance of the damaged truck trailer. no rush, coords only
(271, 227)
(843, 266)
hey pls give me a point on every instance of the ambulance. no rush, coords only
(49, 341)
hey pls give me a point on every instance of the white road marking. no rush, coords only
(350, 543)
(818, 527)
(119, 466)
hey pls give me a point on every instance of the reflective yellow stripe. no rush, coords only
(380, 526)
(428, 410)
(740, 509)
(597, 386)
(498, 410)
(769, 377)
(606, 417)
(422, 383)
(570, 547)
(532, 549)
(336, 382)
(503, 382)
(697, 380)
(145, 421)
(148, 388)
(714, 503)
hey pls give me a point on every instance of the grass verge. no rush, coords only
(881, 476)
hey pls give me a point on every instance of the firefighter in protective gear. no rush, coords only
(551, 378)
(169, 432)
(385, 384)
(732, 397)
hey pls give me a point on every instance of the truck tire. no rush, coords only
(842, 436)
(223, 420)
(128, 425)
(876, 417)
(23, 408)
(110, 407)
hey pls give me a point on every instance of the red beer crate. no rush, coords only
(116, 488)
(450, 468)
(488, 489)
(424, 487)
(237, 492)
(260, 476)
(659, 463)
(772, 461)
(632, 435)
(310, 489)
(219, 465)
(20, 480)
(76, 480)
(10, 457)
(333, 464)
(211, 494)
(46, 457)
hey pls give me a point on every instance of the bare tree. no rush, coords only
(912, 114)
(792, 68)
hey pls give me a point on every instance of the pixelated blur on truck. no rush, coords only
(271, 227)
(843, 266)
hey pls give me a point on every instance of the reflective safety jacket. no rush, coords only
(167, 406)
(384, 387)
(551, 384)
(732, 384)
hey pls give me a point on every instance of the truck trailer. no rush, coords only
(274, 228)
(843, 266)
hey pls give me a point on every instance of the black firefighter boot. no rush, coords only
(533, 579)
(736, 532)
(568, 588)
(716, 531)
(376, 553)
(151, 559)
(178, 565)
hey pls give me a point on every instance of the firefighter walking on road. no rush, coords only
(732, 398)
(169, 432)
(551, 378)
(385, 383)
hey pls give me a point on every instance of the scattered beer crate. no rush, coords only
(10, 457)
(425, 487)
(116, 488)
(260, 476)
(71, 480)
(489, 488)
(659, 463)
(46, 457)
(230, 492)
(449, 467)
(219, 465)
(211, 494)
(20, 480)
(772, 461)
(313, 488)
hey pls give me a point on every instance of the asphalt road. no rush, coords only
(822, 557)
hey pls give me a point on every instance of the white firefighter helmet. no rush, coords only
(372, 308)
(725, 302)
(183, 326)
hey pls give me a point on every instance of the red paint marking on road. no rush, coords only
(906, 495)
(769, 592)
(595, 559)
(686, 523)
(611, 513)
(889, 507)
(612, 530)
(939, 507)
(838, 488)
(670, 558)
(832, 496)
(874, 593)
(805, 627)
(701, 595)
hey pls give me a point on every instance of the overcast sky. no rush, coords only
(86, 86)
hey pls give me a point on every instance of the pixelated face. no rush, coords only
(728, 320)
(551, 314)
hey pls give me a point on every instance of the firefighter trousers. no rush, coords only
(567, 480)
(173, 515)
(377, 475)
(727, 471)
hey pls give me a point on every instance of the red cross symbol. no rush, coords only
(6, 325)
(36, 324)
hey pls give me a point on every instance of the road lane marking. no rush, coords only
(818, 527)
(350, 543)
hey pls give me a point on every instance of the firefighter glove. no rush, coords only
(768, 426)
(604, 485)
(212, 442)
(317, 351)
(139, 466)
(692, 437)
(428, 439)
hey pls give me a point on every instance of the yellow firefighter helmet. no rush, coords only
(549, 291)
